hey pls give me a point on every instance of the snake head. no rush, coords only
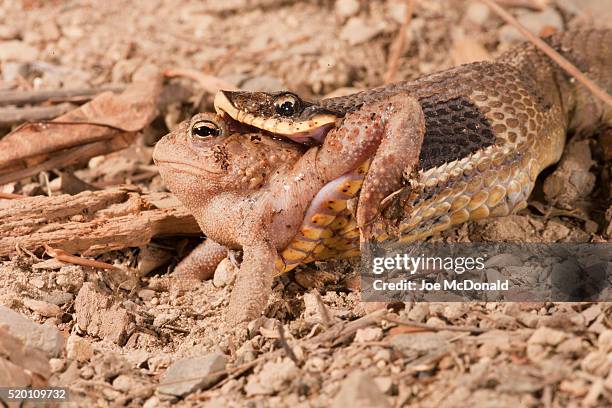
(281, 113)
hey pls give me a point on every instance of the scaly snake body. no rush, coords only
(491, 128)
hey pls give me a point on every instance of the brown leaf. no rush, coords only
(105, 117)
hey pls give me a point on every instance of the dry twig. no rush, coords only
(37, 96)
(11, 116)
(398, 45)
(554, 55)
(437, 328)
(64, 256)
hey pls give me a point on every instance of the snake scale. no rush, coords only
(490, 129)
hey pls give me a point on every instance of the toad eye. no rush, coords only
(287, 104)
(204, 129)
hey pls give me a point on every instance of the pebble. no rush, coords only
(368, 334)
(477, 12)
(384, 384)
(152, 402)
(41, 307)
(225, 273)
(356, 31)
(17, 51)
(79, 349)
(123, 383)
(57, 365)
(46, 338)
(535, 22)
(528, 319)
(597, 363)
(273, 377)
(346, 8)
(418, 312)
(454, 310)
(359, 390)
(397, 11)
(547, 336)
(8, 33)
(591, 313)
(96, 314)
(58, 297)
(146, 294)
(408, 342)
(571, 346)
(87, 372)
(604, 342)
(191, 374)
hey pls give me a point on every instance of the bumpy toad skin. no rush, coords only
(251, 192)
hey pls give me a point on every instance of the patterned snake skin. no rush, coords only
(491, 128)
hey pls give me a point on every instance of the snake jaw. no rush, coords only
(311, 128)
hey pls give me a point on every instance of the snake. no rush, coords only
(491, 127)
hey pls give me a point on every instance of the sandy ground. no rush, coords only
(126, 335)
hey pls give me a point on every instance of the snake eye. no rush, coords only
(204, 129)
(287, 104)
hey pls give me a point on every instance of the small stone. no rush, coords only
(356, 31)
(383, 355)
(547, 336)
(41, 307)
(146, 294)
(192, 374)
(79, 349)
(397, 11)
(597, 363)
(87, 372)
(57, 365)
(536, 22)
(358, 390)
(384, 384)
(408, 342)
(604, 342)
(418, 312)
(58, 297)
(572, 346)
(8, 33)
(272, 378)
(536, 352)
(123, 383)
(454, 310)
(577, 388)
(225, 273)
(164, 318)
(346, 8)
(98, 315)
(528, 319)
(315, 364)
(46, 338)
(152, 402)
(17, 51)
(591, 313)
(368, 334)
(477, 13)
(110, 394)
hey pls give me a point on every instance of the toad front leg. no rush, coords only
(394, 128)
(253, 282)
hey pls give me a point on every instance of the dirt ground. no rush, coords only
(119, 338)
